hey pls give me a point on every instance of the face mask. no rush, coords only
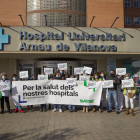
(14, 79)
(59, 76)
(102, 75)
(126, 77)
(61, 72)
(96, 77)
(112, 75)
(3, 77)
(31, 78)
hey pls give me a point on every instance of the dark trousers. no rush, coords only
(7, 103)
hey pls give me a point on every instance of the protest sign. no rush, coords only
(5, 85)
(87, 70)
(128, 83)
(23, 74)
(120, 71)
(42, 77)
(78, 70)
(91, 84)
(48, 71)
(71, 81)
(62, 66)
(108, 84)
(83, 78)
(54, 92)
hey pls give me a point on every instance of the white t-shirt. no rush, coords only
(5, 93)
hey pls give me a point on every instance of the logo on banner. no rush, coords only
(3, 38)
(86, 101)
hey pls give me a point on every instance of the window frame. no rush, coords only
(138, 4)
(127, 6)
(138, 21)
(125, 20)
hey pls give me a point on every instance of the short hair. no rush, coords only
(14, 75)
(113, 71)
(3, 74)
(127, 74)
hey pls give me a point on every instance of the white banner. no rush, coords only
(42, 77)
(23, 74)
(78, 70)
(83, 78)
(48, 71)
(87, 70)
(128, 83)
(5, 85)
(71, 81)
(120, 71)
(55, 92)
(91, 84)
(62, 66)
(108, 84)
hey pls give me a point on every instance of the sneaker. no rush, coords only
(60, 110)
(16, 110)
(70, 110)
(21, 111)
(94, 110)
(117, 112)
(109, 111)
(54, 110)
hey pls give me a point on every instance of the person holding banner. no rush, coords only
(5, 92)
(129, 94)
(72, 107)
(17, 108)
(43, 106)
(97, 78)
(113, 91)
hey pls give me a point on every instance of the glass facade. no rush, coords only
(56, 18)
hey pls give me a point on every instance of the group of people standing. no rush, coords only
(118, 92)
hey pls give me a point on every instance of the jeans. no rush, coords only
(71, 107)
(114, 94)
(43, 106)
(18, 107)
(55, 106)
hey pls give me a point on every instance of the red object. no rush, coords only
(21, 111)
(16, 110)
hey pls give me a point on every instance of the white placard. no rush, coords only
(91, 84)
(42, 77)
(23, 74)
(83, 78)
(120, 71)
(5, 85)
(78, 70)
(48, 71)
(62, 66)
(108, 84)
(71, 81)
(87, 70)
(128, 83)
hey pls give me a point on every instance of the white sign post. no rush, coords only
(78, 70)
(71, 81)
(48, 71)
(83, 78)
(42, 77)
(88, 70)
(108, 84)
(120, 71)
(62, 66)
(23, 74)
(128, 83)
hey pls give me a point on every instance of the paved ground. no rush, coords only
(76, 126)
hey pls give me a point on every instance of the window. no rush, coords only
(127, 3)
(127, 20)
(137, 20)
(136, 3)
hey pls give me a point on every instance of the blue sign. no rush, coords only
(3, 38)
